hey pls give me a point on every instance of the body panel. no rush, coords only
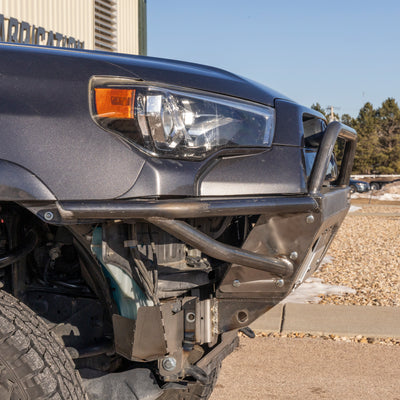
(44, 115)
(18, 184)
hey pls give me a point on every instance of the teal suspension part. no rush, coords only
(126, 292)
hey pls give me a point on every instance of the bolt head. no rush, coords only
(169, 363)
(293, 255)
(280, 282)
(190, 317)
(48, 215)
(310, 219)
(236, 283)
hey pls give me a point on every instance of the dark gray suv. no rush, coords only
(149, 209)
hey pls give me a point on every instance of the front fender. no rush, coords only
(19, 184)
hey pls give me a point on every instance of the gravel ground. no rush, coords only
(336, 338)
(366, 257)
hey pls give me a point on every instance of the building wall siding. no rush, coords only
(127, 22)
(69, 17)
(76, 18)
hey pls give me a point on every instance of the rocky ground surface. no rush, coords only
(365, 256)
(335, 338)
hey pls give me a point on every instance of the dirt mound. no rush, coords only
(393, 188)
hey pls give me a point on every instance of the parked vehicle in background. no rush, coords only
(149, 209)
(358, 186)
(376, 182)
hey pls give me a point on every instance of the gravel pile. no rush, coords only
(336, 338)
(366, 257)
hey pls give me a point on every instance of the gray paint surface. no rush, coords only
(46, 126)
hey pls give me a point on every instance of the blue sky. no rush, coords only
(341, 53)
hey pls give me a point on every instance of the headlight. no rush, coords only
(180, 123)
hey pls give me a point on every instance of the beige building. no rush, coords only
(108, 25)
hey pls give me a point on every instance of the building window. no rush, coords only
(105, 25)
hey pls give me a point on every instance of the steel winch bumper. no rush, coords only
(286, 244)
(280, 256)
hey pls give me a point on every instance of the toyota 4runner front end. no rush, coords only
(149, 210)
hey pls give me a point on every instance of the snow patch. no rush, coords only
(354, 209)
(375, 196)
(327, 260)
(389, 192)
(387, 197)
(310, 290)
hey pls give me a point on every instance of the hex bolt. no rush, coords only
(48, 215)
(236, 283)
(279, 282)
(169, 363)
(310, 219)
(190, 317)
(293, 255)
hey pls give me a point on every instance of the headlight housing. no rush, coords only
(178, 123)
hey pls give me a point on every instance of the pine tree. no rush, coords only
(378, 137)
(367, 158)
(319, 108)
(389, 137)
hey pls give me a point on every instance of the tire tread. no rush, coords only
(34, 363)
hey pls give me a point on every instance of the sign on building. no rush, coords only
(14, 31)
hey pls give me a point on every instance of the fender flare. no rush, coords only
(19, 184)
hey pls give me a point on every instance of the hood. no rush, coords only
(78, 64)
(197, 76)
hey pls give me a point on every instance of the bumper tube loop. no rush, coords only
(333, 131)
(187, 234)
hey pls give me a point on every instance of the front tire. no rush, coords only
(34, 364)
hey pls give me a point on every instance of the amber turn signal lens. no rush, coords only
(115, 103)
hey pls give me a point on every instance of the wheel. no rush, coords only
(353, 189)
(375, 186)
(34, 364)
(194, 391)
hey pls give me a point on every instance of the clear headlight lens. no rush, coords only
(182, 124)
